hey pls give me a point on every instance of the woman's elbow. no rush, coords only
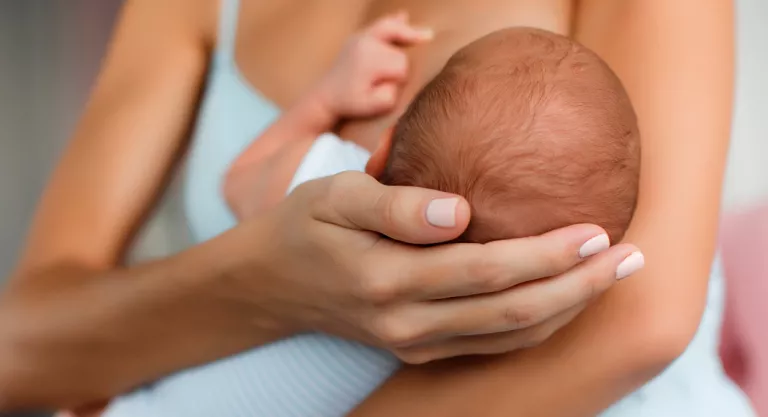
(672, 338)
(666, 332)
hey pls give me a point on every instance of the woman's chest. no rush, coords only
(284, 46)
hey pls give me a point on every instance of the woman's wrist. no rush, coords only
(238, 284)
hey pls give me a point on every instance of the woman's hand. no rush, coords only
(322, 269)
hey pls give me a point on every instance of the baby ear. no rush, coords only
(378, 160)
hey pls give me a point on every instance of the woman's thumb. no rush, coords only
(407, 214)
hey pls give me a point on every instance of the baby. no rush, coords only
(533, 129)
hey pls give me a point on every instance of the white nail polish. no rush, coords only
(595, 245)
(441, 212)
(631, 264)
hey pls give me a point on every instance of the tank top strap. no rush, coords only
(228, 18)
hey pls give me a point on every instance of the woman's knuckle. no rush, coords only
(593, 284)
(310, 232)
(317, 207)
(308, 191)
(386, 207)
(394, 331)
(519, 317)
(488, 275)
(589, 287)
(344, 186)
(377, 288)
(554, 262)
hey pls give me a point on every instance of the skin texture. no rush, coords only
(679, 75)
(77, 326)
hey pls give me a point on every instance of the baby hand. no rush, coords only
(366, 78)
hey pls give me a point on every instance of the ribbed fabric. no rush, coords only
(316, 375)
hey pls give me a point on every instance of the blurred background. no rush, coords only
(50, 51)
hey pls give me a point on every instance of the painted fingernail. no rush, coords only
(631, 264)
(442, 212)
(595, 245)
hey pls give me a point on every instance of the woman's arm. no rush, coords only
(676, 61)
(74, 325)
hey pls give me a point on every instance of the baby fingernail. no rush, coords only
(442, 212)
(385, 96)
(426, 34)
(631, 264)
(595, 245)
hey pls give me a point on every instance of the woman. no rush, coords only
(676, 61)
(78, 327)
(204, 303)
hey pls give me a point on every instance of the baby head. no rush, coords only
(533, 129)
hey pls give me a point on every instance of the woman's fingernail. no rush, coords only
(631, 264)
(442, 212)
(595, 245)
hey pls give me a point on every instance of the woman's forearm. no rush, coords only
(615, 346)
(676, 61)
(70, 336)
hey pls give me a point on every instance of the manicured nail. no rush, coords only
(595, 245)
(442, 212)
(631, 264)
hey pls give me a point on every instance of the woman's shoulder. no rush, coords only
(196, 18)
(202, 16)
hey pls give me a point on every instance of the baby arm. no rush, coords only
(364, 82)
